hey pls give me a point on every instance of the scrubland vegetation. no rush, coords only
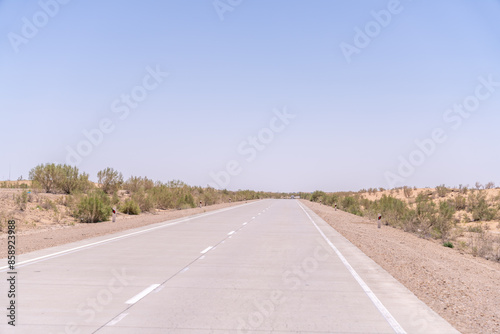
(462, 218)
(73, 195)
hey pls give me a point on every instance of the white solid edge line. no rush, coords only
(206, 250)
(141, 295)
(232, 232)
(117, 319)
(378, 304)
(121, 236)
(89, 245)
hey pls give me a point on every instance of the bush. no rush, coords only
(46, 176)
(110, 180)
(351, 204)
(444, 220)
(47, 204)
(70, 180)
(22, 200)
(317, 196)
(94, 207)
(479, 207)
(393, 210)
(135, 184)
(460, 202)
(130, 207)
(145, 202)
(407, 191)
(448, 244)
(54, 178)
(442, 190)
(489, 185)
(209, 196)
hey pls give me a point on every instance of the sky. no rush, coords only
(281, 95)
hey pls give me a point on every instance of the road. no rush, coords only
(262, 267)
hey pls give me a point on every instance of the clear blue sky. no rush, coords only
(353, 120)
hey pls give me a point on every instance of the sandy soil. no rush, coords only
(461, 288)
(461, 215)
(53, 235)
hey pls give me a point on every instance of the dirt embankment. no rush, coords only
(463, 289)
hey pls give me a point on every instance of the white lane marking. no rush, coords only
(378, 304)
(259, 214)
(206, 250)
(122, 236)
(232, 232)
(230, 237)
(201, 258)
(89, 245)
(117, 319)
(253, 217)
(245, 223)
(184, 270)
(141, 295)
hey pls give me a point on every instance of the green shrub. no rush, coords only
(94, 207)
(135, 184)
(130, 207)
(446, 210)
(22, 200)
(351, 204)
(187, 201)
(54, 178)
(407, 191)
(444, 220)
(47, 204)
(145, 201)
(110, 180)
(70, 180)
(442, 190)
(460, 202)
(46, 176)
(393, 210)
(479, 207)
(317, 196)
(448, 244)
(209, 196)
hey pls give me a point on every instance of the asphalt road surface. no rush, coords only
(271, 266)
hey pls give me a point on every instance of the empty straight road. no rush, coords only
(262, 267)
